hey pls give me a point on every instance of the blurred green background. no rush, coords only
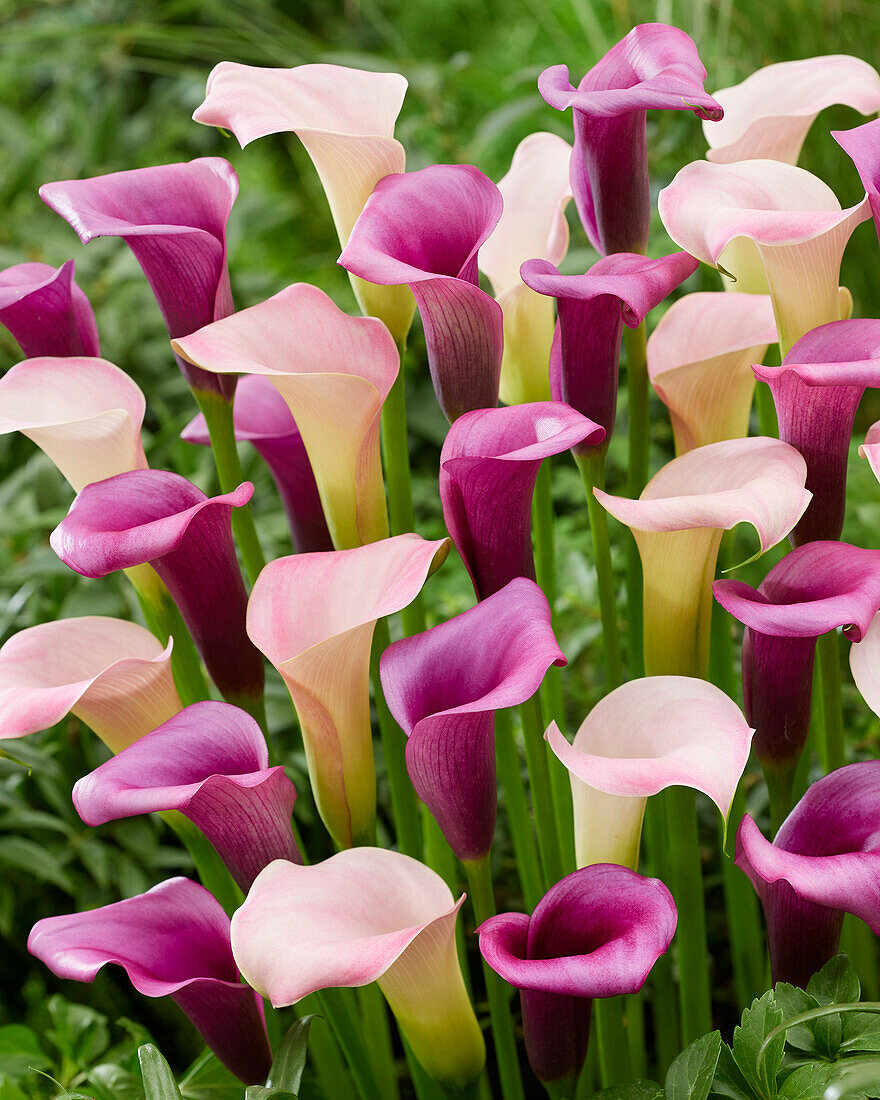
(96, 86)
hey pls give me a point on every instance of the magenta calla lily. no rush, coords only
(655, 67)
(597, 933)
(768, 115)
(700, 359)
(115, 676)
(593, 308)
(262, 417)
(824, 862)
(313, 616)
(161, 518)
(817, 391)
(818, 587)
(211, 763)
(645, 736)
(173, 218)
(46, 311)
(860, 145)
(488, 467)
(424, 229)
(443, 687)
(365, 915)
(173, 941)
(86, 414)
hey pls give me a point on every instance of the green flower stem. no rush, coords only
(767, 421)
(635, 344)
(217, 412)
(404, 804)
(614, 1065)
(634, 1012)
(348, 1030)
(479, 876)
(441, 858)
(542, 791)
(210, 867)
(592, 470)
(519, 819)
(333, 1077)
(377, 1032)
(830, 734)
(860, 944)
(426, 1088)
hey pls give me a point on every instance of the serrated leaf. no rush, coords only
(806, 1083)
(729, 1080)
(757, 1022)
(208, 1079)
(290, 1058)
(836, 983)
(159, 1083)
(691, 1073)
(20, 1051)
(861, 1032)
(637, 1089)
(793, 1002)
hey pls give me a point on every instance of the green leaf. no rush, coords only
(729, 1080)
(261, 1092)
(806, 1083)
(79, 1033)
(757, 1022)
(793, 1002)
(208, 1079)
(159, 1083)
(690, 1075)
(861, 1032)
(836, 983)
(26, 855)
(290, 1058)
(853, 1078)
(112, 1082)
(637, 1089)
(20, 1051)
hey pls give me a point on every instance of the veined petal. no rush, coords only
(46, 311)
(334, 372)
(113, 675)
(860, 145)
(86, 414)
(767, 115)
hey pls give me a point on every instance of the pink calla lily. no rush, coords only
(860, 145)
(46, 311)
(870, 449)
(864, 662)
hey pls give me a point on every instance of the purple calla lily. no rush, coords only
(158, 517)
(211, 763)
(597, 933)
(261, 416)
(173, 218)
(443, 687)
(655, 67)
(862, 146)
(46, 311)
(824, 862)
(817, 391)
(425, 229)
(173, 941)
(488, 467)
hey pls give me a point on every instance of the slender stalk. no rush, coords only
(767, 421)
(830, 740)
(542, 791)
(479, 876)
(519, 819)
(333, 1077)
(210, 867)
(377, 1031)
(404, 804)
(346, 1026)
(614, 1065)
(639, 442)
(218, 417)
(634, 1011)
(664, 1008)
(860, 944)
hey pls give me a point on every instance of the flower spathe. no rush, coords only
(443, 687)
(86, 414)
(313, 616)
(361, 916)
(488, 467)
(173, 218)
(334, 372)
(345, 119)
(211, 763)
(655, 67)
(535, 192)
(700, 359)
(160, 518)
(425, 229)
(767, 115)
(172, 941)
(861, 146)
(645, 736)
(771, 227)
(824, 862)
(597, 933)
(115, 676)
(46, 311)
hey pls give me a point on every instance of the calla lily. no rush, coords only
(593, 308)
(860, 145)
(345, 119)
(645, 736)
(597, 933)
(334, 372)
(535, 192)
(870, 449)
(261, 417)
(488, 467)
(365, 915)
(425, 229)
(173, 218)
(86, 414)
(323, 655)
(161, 518)
(678, 521)
(115, 676)
(655, 67)
(443, 688)
(818, 587)
(46, 311)
(211, 763)
(767, 116)
(817, 391)
(172, 941)
(770, 226)
(700, 360)
(864, 662)
(824, 862)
